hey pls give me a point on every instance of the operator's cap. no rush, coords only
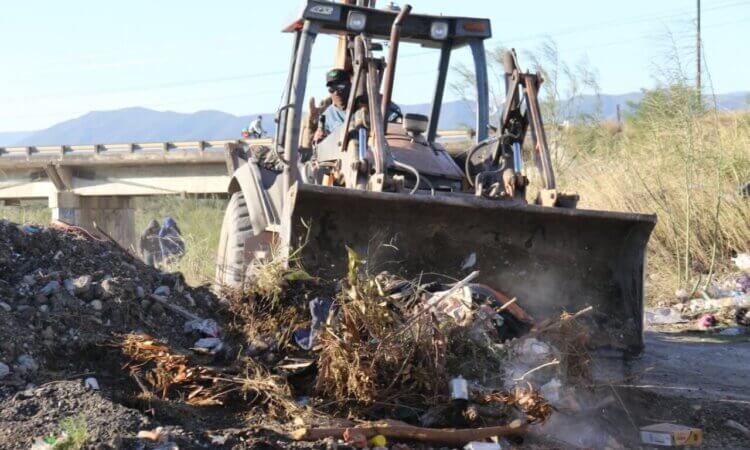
(337, 76)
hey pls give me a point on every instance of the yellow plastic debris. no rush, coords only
(378, 441)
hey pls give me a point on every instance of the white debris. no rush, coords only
(699, 305)
(50, 288)
(97, 305)
(40, 444)
(27, 363)
(91, 383)
(5, 307)
(457, 306)
(661, 316)
(82, 284)
(482, 446)
(742, 261)
(212, 344)
(207, 327)
(163, 291)
(470, 261)
(551, 390)
(533, 351)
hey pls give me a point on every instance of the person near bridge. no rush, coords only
(150, 245)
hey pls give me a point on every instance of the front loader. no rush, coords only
(383, 185)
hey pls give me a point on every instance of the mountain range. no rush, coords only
(146, 125)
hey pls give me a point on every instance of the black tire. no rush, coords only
(235, 229)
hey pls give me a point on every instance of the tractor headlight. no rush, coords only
(356, 21)
(439, 30)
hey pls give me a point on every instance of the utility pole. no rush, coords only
(698, 53)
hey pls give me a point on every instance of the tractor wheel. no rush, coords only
(235, 229)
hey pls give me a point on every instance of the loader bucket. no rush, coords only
(550, 259)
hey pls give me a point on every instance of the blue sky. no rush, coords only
(63, 59)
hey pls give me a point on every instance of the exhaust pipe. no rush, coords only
(390, 71)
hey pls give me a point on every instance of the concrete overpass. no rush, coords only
(96, 183)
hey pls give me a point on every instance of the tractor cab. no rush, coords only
(375, 145)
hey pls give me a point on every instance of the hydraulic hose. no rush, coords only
(415, 172)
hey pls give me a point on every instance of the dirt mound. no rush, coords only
(63, 294)
(46, 411)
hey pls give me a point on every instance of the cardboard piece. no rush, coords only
(671, 435)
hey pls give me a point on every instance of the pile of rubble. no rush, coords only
(63, 293)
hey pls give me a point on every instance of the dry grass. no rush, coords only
(685, 166)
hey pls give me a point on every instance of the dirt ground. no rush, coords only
(682, 378)
(691, 378)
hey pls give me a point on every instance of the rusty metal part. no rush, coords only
(532, 83)
(390, 70)
(379, 145)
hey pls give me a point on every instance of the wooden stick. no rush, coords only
(447, 436)
(552, 323)
(176, 308)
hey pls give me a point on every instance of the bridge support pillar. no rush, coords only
(113, 214)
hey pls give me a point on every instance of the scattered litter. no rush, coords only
(378, 441)
(211, 345)
(454, 305)
(706, 321)
(27, 364)
(459, 389)
(663, 316)
(30, 229)
(82, 284)
(671, 435)
(482, 446)
(155, 435)
(742, 261)
(163, 291)
(355, 437)
(50, 288)
(91, 383)
(700, 305)
(206, 327)
(551, 390)
(46, 443)
(470, 261)
(319, 310)
(219, 439)
(532, 351)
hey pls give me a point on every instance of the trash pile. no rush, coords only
(723, 307)
(368, 360)
(440, 363)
